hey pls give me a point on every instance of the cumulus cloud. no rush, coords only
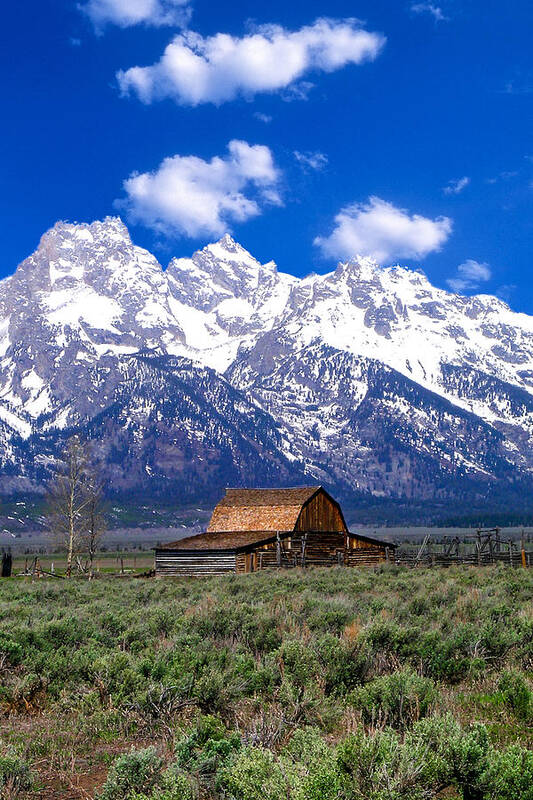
(311, 160)
(125, 13)
(195, 69)
(456, 187)
(429, 8)
(381, 230)
(188, 196)
(470, 275)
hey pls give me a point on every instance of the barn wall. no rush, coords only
(297, 550)
(359, 544)
(242, 562)
(175, 562)
(365, 556)
(320, 514)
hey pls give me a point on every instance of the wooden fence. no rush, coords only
(513, 558)
(480, 549)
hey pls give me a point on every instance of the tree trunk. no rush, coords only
(70, 548)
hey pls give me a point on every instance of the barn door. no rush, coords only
(250, 565)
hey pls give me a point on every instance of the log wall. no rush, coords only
(200, 564)
(364, 557)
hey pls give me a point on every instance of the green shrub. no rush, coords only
(344, 664)
(516, 694)
(138, 771)
(310, 765)
(206, 749)
(267, 654)
(397, 700)
(454, 756)
(15, 775)
(509, 775)
(10, 651)
(378, 767)
(298, 663)
(174, 786)
(254, 775)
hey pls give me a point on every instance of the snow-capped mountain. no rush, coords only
(222, 370)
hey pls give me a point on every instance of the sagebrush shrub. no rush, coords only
(516, 694)
(139, 771)
(15, 775)
(509, 775)
(398, 700)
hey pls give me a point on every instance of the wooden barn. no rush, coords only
(253, 529)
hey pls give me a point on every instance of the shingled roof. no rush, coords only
(238, 541)
(231, 540)
(260, 509)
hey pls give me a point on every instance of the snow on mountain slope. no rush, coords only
(89, 293)
(371, 378)
(396, 316)
(225, 298)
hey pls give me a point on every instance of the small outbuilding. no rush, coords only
(254, 529)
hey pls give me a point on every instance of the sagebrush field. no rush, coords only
(385, 684)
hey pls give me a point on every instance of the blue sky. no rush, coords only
(309, 134)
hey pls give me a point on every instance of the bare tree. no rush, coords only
(74, 501)
(95, 520)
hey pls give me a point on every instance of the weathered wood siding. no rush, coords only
(242, 562)
(365, 556)
(354, 543)
(168, 562)
(320, 514)
(301, 550)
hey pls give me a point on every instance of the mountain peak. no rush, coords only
(68, 236)
(369, 374)
(228, 242)
(228, 250)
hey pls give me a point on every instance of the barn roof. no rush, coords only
(241, 540)
(230, 540)
(260, 509)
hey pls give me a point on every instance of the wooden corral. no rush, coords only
(484, 547)
(254, 529)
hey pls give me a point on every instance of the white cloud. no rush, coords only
(266, 118)
(311, 160)
(384, 232)
(470, 274)
(125, 13)
(506, 175)
(191, 197)
(429, 8)
(456, 187)
(297, 91)
(214, 69)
